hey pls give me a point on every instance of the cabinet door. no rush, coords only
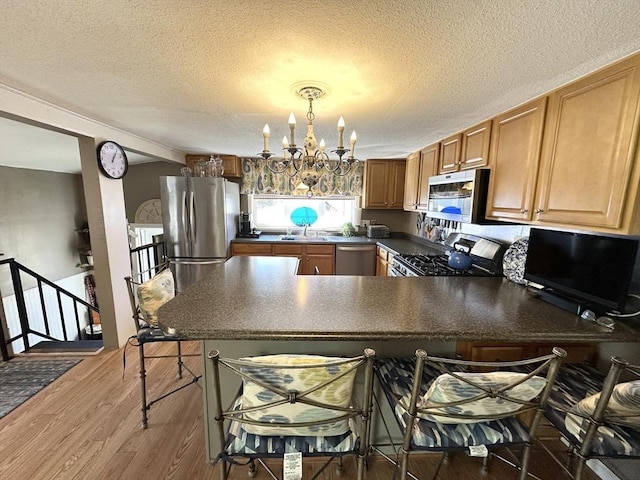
(450, 154)
(428, 167)
(381, 267)
(587, 156)
(376, 181)
(232, 166)
(396, 184)
(475, 146)
(516, 140)
(323, 262)
(411, 181)
(231, 163)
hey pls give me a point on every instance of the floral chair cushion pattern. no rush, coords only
(240, 442)
(154, 293)
(396, 376)
(574, 383)
(623, 407)
(336, 393)
(447, 388)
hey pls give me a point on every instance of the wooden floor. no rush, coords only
(86, 426)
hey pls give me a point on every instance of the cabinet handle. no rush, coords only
(524, 210)
(539, 210)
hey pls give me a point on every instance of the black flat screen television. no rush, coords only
(593, 271)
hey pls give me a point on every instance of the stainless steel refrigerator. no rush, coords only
(200, 218)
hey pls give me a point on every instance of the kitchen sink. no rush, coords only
(301, 238)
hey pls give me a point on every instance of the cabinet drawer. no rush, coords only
(320, 249)
(575, 353)
(498, 353)
(251, 249)
(382, 253)
(291, 250)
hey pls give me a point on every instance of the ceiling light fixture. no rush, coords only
(311, 160)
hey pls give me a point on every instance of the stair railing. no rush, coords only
(26, 327)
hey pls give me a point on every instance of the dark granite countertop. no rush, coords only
(397, 244)
(261, 298)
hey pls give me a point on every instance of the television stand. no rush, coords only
(568, 304)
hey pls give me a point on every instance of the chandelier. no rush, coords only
(312, 160)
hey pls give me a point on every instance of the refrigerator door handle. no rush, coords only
(186, 222)
(181, 261)
(192, 217)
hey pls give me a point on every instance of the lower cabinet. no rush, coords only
(383, 260)
(505, 352)
(311, 256)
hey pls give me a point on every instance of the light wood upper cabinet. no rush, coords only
(450, 154)
(411, 179)
(420, 166)
(516, 140)
(384, 183)
(588, 166)
(429, 157)
(466, 150)
(231, 163)
(475, 146)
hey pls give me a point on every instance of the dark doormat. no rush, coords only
(21, 379)
(624, 469)
(80, 347)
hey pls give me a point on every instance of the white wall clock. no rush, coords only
(112, 160)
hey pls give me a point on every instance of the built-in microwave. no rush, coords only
(459, 196)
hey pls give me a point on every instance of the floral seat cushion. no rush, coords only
(396, 376)
(574, 390)
(311, 370)
(242, 443)
(154, 293)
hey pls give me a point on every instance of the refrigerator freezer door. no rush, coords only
(188, 270)
(174, 194)
(209, 213)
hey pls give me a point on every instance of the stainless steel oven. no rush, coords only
(459, 196)
(486, 255)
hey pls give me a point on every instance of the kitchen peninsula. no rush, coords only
(257, 305)
(261, 298)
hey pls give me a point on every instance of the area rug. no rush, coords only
(21, 379)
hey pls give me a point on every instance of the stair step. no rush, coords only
(80, 347)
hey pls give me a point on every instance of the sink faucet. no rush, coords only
(304, 232)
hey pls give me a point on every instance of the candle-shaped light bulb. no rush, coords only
(322, 145)
(340, 131)
(285, 145)
(353, 143)
(265, 136)
(292, 127)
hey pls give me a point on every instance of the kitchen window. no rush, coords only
(273, 212)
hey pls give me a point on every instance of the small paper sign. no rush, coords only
(292, 466)
(478, 450)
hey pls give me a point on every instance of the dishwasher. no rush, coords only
(355, 259)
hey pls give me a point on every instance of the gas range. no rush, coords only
(420, 265)
(486, 258)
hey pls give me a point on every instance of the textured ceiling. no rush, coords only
(204, 76)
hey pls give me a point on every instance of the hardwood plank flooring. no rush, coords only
(87, 426)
